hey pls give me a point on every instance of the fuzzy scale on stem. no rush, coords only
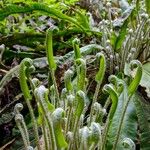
(24, 66)
(114, 97)
(51, 60)
(57, 117)
(99, 78)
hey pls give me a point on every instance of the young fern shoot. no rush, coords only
(51, 60)
(99, 78)
(25, 69)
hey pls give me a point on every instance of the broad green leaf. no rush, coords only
(122, 23)
(147, 4)
(143, 111)
(118, 40)
(145, 81)
(129, 125)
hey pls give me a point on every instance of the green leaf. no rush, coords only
(129, 125)
(145, 81)
(15, 9)
(117, 41)
(147, 4)
(83, 19)
(143, 112)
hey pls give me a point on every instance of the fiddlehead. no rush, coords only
(137, 78)
(21, 123)
(81, 74)
(67, 79)
(45, 109)
(95, 135)
(51, 60)
(99, 112)
(19, 119)
(114, 97)
(76, 48)
(102, 68)
(99, 78)
(57, 117)
(131, 90)
(84, 134)
(26, 66)
(80, 97)
(128, 144)
(49, 48)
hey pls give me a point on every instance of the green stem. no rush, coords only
(40, 97)
(114, 97)
(51, 60)
(46, 142)
(22, 134)
(94, 100)
(57, 116)
(56, 103)
(26, 63)
(131, 90)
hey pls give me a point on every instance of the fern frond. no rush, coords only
(15, 9)
(143, 112)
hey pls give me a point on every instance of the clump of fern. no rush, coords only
(70, 119)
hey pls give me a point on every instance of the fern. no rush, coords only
(129, 125)
(143, 112)
(147, 4)
(15, 9)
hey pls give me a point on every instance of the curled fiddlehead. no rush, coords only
(64, 97)
(99, 112)
(76, 48)
(45, 108)
(41, 94)
(80, 96)
(102, 67)
(67, 79)
(81, 74)
(118, 83)
(84, 134)
(114, 97)
(137, 78)
(128, 144)
(131, 90)
(26, 67)
(57, 117)
(95, 135)
(20, 123)
(35, 83)
(99, 78)
(18, 108)
(49, 48)
(113, 79)
(70, 102)
(51, 60)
